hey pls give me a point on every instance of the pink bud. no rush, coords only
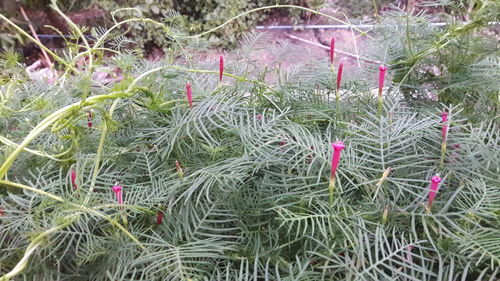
(221, 67)
(89, 119)
(118, 193)
(159, 217)
(73, 180)
(337, 148)
(259, 116)
(332, 50)
(189, 94)
(435, 180)
(178, 167)
(444, 116)
(409, 257)
(381, 78)
(339, 75)
(444, 129)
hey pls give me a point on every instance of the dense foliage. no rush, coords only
(236, 186)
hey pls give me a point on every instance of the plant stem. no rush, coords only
(37, 242)
(331, 188)
(277, 7)
(380, 106)
(77, 30)
(100, 149)
(443, 154)
(22, 186)
(49, 120)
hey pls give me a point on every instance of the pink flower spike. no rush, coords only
(337, 148)
(332, 50)
(435, 180)
(381, 79)
(189, 94)
(73, 179)
(118, 193)
(221, 67)
(339, 75)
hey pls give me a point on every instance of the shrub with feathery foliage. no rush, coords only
(150, 178)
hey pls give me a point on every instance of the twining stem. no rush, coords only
(8, 142)
(100, 149)
(49, 120)
(37, 242)
(77, 30)
(70, 219)
(22, 186)
(278, 7)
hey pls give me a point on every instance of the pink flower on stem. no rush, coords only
(332, 50)
(89, 119)
(73, 179)
(189, 94)
(118, 193)
(159, 217)
(337, 148)
(339, 75)
(259, 116)
(381, 79)
(221, 67)
(435, 180)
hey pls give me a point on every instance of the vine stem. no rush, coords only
(49, 120)
(36, 152)
(36, 190)
(77, 30)
(100, 149)
(277, 7)
(37, 242)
